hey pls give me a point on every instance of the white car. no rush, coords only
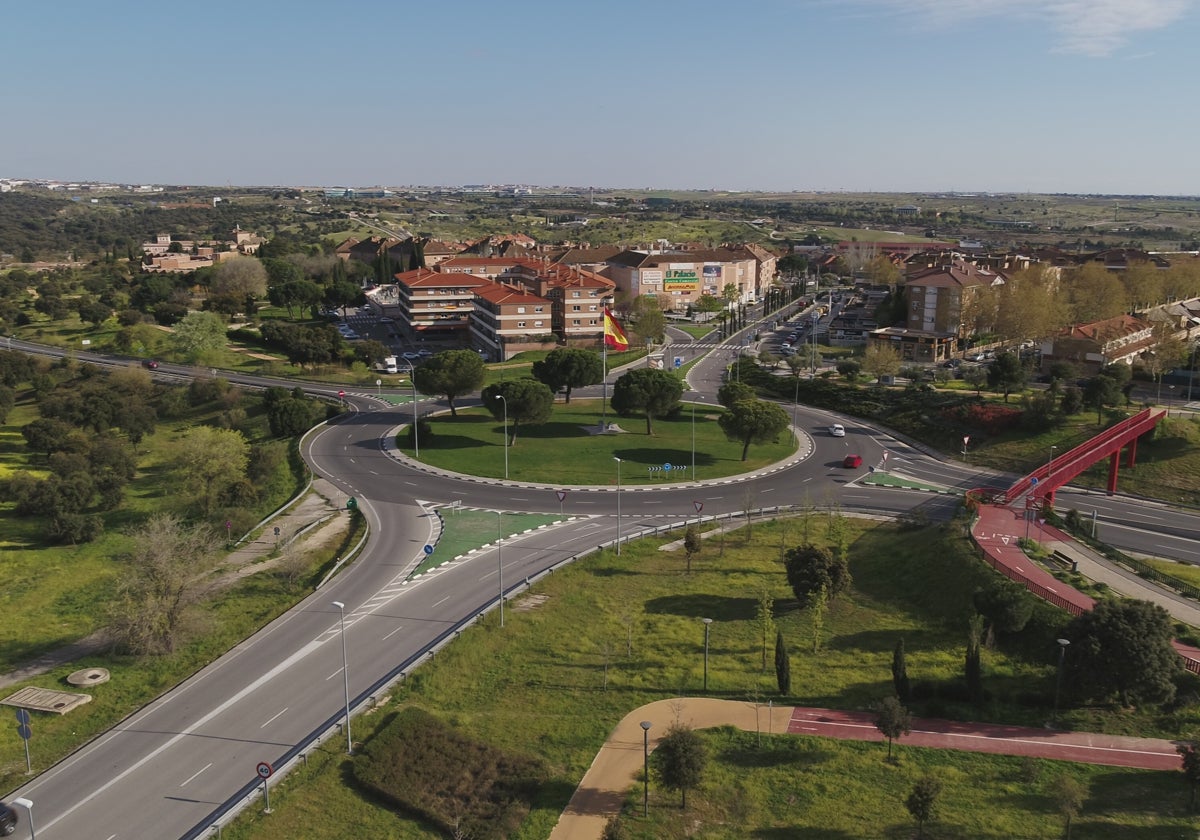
(837, 430)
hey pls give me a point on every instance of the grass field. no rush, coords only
(554, 685)
(468, 529)
(563, 451)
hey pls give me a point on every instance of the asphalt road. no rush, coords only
(169, 769)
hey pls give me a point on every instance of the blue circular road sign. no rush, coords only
(429, 549)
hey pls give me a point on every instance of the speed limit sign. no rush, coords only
(264, 770)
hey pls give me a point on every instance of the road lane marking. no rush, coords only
(277, 714)
(393, 633)
(444, 600)
(193, 776)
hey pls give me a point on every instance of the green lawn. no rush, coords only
(697, 331)
(468, 529)
(554, 685)
(563, 451)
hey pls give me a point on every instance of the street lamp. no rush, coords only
(501, 398)
(618, 460)
(707, 624)
(500, 559)
(412, 375)
(1062, 654)
(646, 768)
(345, 674)
(28, 806)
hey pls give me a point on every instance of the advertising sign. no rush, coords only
(681, 280)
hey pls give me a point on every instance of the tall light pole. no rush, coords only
(345, 674)
(412, 374)
(500, 559)
(1062, 655)
(618, 460)
(693, 441)
(501, 398)
(646, 768)
(816, 319)
(707, 624)
(1049, 495)
(28, 806)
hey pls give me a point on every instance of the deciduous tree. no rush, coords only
(1122, 649)
(811, 568)
(1068, 796)
(208, 460)
(892, 719)
(922, 801)
(679, 760)
(1006, 374)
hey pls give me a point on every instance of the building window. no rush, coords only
(593, 322)
(520, 310)
(521, 324)
(575, 323)
(592, 308)
(576, 308)
(574, 294)
(538, 323)
(539, 309)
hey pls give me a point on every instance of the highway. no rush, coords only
(169, 770)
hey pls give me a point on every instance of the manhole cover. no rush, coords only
(89, 676)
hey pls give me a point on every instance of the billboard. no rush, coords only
(681, 280)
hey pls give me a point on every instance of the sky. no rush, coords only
(1044, 96)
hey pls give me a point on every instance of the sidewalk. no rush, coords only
(618, 766)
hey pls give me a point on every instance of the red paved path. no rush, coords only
(1086, 747)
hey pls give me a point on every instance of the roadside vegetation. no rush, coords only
(553, 686)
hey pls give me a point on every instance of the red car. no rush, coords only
(852, 462)
(152, 365)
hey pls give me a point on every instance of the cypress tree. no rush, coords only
(900, 673)
(783, 665)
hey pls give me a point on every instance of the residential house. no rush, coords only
(434, 304)
(1091, 347)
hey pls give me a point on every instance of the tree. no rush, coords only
(976, 377)
(849, 369)
(655, 392)
(892, 719)
(163, 579)
(1189, 756)
(818, 603)
(1100, 392)
(1006, 605)
(900, 673)
(679, 760)
(208, 460)
(240, 278)
(646, 318)
(812, 568)
(569, 368)
(734, 391)
(783, 665)
(974, 662)
(1068, 796)
(1006, 374)
(1122, 649)
(450, 374)
(922, 801)
(753, 421)
(525, 401)
(198, 334)
(764, 618)
(691, 544)
(880, 360)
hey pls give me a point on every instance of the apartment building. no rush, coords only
(578, 298)
(433, 304)
(506, 320)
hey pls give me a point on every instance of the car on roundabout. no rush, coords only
(837, 430)
(852, 462)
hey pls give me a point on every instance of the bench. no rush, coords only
(1061, 560)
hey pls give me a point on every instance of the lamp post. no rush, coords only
(1062, 655)
(693, 441)
(501, 398)
(1049, 496)
(707, 624)
(345, 674)
(28, 806)
(795, 397)
(412, 375)
(618, 460)
(646, 768)
(500, 560)
(816, 319)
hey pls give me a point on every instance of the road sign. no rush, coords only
(23, 717)
(562, 494)
(24, 731)
(885, 456)
(1033, 481)
(667, 467)
(341, 393)
(678, 362)
(699, 506)
(428, 549)
(264, 770)
(277, 530)
(966, 439)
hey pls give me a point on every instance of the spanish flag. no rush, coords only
(614, 336)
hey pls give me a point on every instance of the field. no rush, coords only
(563, 451)
(553, 684)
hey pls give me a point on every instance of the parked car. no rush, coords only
(837, 430)
(8, 820)
(852, 462)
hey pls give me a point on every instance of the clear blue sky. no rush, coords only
(1093, 96)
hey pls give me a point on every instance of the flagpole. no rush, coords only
(603, 381)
